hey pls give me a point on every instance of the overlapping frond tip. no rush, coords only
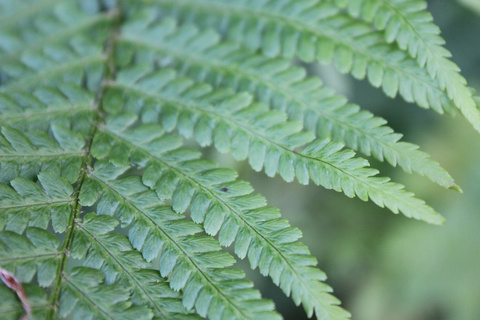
(106, 212)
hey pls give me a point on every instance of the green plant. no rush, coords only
(105, 210)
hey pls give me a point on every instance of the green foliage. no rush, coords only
(109, 210)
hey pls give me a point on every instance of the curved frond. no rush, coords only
(224, 206)
(105, 213)
(232, 122)
(276, 83)
(408, 24)
(316, 30)
(194, 263)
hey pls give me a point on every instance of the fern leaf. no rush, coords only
(63, 50)
(11, 308)
(35, 254)
(12, 11)
(26, 154)
(316, 30)
(410, 26)
(65, 22)
(251, 130)
(29, 205)
(193, 262)
(96, 244)
(37, 110)
(104, 211)
(73, 71)
(85, 294)
(275, 83)
(227, 207)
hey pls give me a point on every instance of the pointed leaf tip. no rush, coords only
(456, 188)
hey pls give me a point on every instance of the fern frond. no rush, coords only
(37, 110)
(67, 47)
(26, 154)
(96, 244)
(276, 83)
(11, 307)
(251, 130)
(104, 206)
(36, 254)
(65, 22)
(193, 262)
(29, 205)
(408, 24)
(316, 30)
(13, 11)
(224, 206)
(85, 294)
(78, 70)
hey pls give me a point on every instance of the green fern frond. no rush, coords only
(275, 83)
(105, 213)
(410, 26)
(194, 263)
(67, 45)
(11, 307)
(224, 206)
(26, 204)
(11, 11)
(96, 244)
(317, 30)
(26, 154)
(264, 136)
(36, 254)
(85, 294)
(37, 110)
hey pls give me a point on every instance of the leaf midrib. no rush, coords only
(105, 56)
(37, 204)
(30, 257)
(48, 112)
(51, 154)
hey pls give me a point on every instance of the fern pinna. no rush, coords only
(107, 212)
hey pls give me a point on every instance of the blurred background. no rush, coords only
(384, 266)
